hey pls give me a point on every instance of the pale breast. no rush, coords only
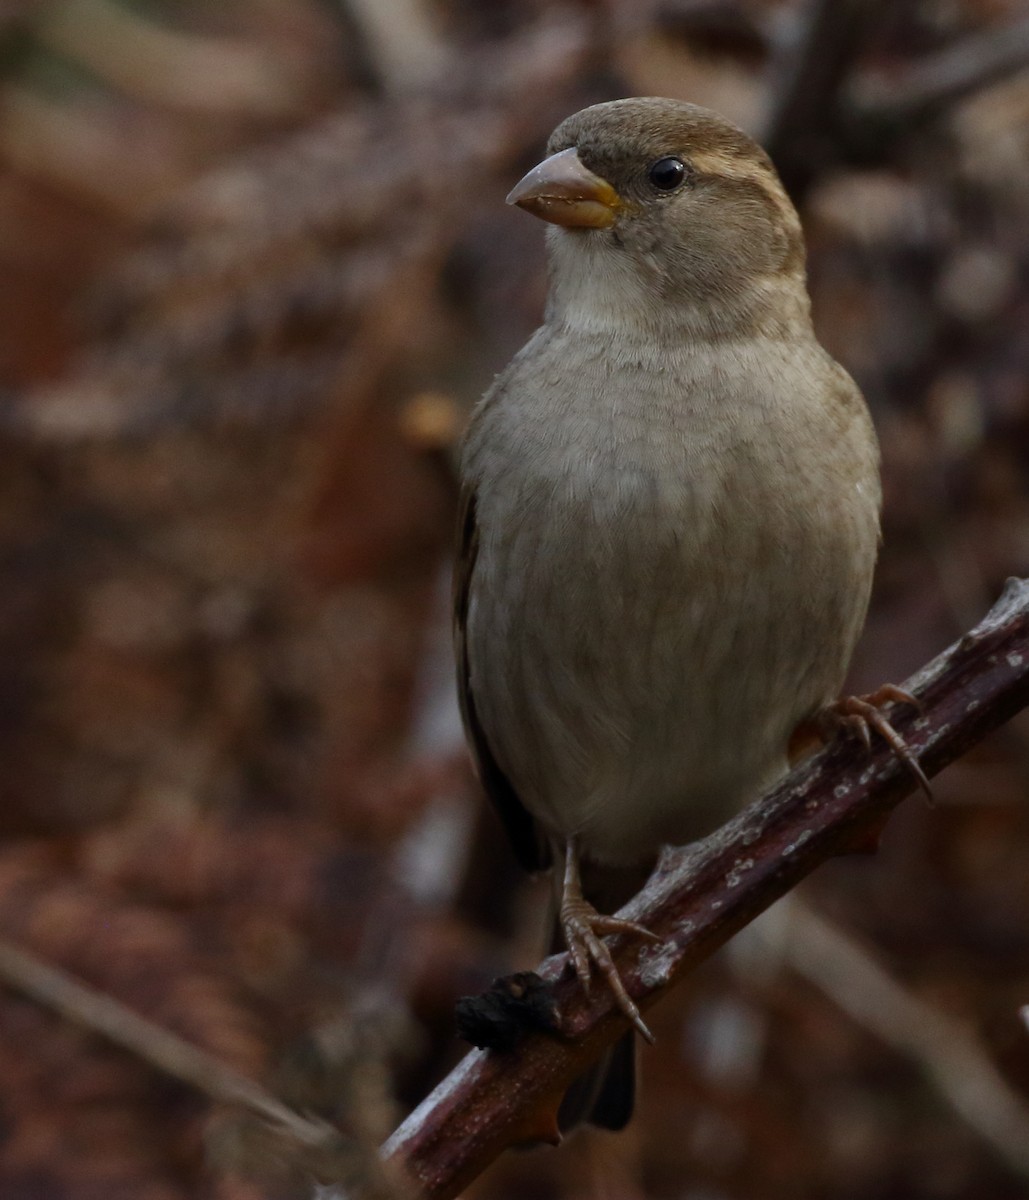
(666, 583)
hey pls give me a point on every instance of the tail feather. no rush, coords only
(604, 1095)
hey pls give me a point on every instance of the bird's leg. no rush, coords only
(860, 714)
(583, 926)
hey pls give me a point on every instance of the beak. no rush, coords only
(561, 190)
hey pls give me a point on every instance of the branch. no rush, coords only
(946, 1048)
(316, 1142)
(701, 895)
(808, 78)
(707, 21)
(939, 80)
(824, 111)
(402, 47)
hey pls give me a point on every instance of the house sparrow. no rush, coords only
(670, 517)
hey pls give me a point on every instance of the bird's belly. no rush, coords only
(631, 648)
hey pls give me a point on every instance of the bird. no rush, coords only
(669, 523)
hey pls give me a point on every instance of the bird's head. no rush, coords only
(668, 212)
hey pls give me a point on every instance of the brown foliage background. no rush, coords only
(256, 268)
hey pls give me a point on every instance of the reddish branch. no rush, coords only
(701, 896)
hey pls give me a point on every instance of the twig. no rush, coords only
(949, 1052)
(940, 80)
(807, 80)
(822, 112)
(706, 19)
(403, 48)
(159, 1047)
(243, 302)
(700, 896)
(236, 76)
(314, 1147)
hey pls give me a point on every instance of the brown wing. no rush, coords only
(530, 848)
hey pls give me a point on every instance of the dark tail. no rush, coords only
(605, 1094)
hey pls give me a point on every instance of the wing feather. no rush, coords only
(530, 848)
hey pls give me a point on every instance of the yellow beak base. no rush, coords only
(563, 191)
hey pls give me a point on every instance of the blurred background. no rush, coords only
(256, 268)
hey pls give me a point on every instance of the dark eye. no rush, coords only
(666, 173)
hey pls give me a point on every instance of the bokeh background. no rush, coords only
(256, 267)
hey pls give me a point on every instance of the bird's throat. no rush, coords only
(598, 289)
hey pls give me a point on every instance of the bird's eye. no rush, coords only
(667, 173)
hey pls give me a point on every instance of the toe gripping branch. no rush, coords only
(861, 714)
(583, 929)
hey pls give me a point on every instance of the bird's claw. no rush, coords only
(861, 714)
(582, 926)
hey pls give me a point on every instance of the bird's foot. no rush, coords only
(583, 928)
(862, 714)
